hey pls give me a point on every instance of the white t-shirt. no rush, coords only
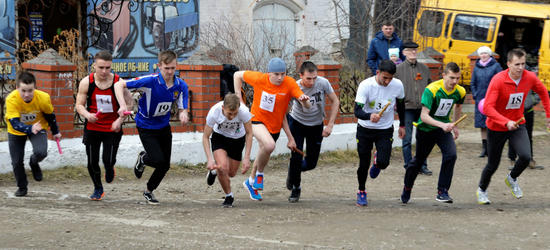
(228, 128)
(375, 97)
(315, 114)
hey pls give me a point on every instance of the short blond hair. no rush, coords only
(231, 101)
(167, 56)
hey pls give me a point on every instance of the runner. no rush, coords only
(504, 106)
(29, 112)
(272, 93)
(372, 95)
(307, 124)
(230, 123)
(434, 127)
(96, 93)
(153, 118)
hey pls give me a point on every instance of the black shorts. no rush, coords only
(91, 137)
(233, 147)
(274, 136)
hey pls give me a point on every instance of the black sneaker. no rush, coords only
(406, 195)
(140, 166)
(36, 172)
(295, 195)
(228, 202)
(210, 178)
(425, 171)
(443, 196)
(151, 198)
(21, 192)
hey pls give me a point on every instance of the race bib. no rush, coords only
(162, 108)
(379, 105)
(229, 128)
(515, 101)
(445, 106)
(311, 109)
(267, 102)
(28, 118)
(104, 103)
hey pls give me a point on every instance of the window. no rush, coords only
(448, 24)
(474, 28)
(431, 23)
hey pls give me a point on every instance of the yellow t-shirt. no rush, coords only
(28, 113)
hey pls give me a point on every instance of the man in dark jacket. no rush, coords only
(415, 77)
(381, 43)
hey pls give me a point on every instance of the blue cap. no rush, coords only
(276, 65)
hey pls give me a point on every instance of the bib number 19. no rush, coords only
(162, 108)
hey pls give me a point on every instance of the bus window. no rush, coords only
(431, 23)
(448, 24)
(473, 28)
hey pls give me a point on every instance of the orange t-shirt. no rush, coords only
(270, 100)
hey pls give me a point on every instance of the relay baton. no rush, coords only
(520, 120)
(58, 146)
(128, 112)
(299, 151)
(459, 120)
(98, 112)
(384, 109)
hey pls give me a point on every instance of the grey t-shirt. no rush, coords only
(314, 116)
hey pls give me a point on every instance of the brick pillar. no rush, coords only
(221, 53)
(436, 67)
(330, 70)
(303, 54)
(202, 75)
(54, 75)
(431, 52)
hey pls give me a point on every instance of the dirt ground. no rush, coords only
(59, 215)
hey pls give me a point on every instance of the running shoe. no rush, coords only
(513, 183)
(374, 170)
(443, 196)
(295, 195)
(406, 195)
(140, 166)
(228, 202)
(150, 198)
(482, 197)
(97, 195)
(36, 172)
(22, 191)
(362, 198)
(258, 182)
(253, 193)
(110, 174)
(210, 178)
(425, 171)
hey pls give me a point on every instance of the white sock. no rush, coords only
(258, 173)
(230, 194)
(250, 180)
(213, 172)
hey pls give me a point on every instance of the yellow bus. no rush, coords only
(457, 28)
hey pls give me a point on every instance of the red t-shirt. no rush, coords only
(270, 100)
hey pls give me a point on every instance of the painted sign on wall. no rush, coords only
(7, 38)
(136, 32)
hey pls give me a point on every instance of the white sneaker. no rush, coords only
(482, 197)
(516, 191)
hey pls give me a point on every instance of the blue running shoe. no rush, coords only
(253, 193)
(374, 170)
(258, 182)
(97, 195)
(361, 198)
(443, 196)
(406, 195)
